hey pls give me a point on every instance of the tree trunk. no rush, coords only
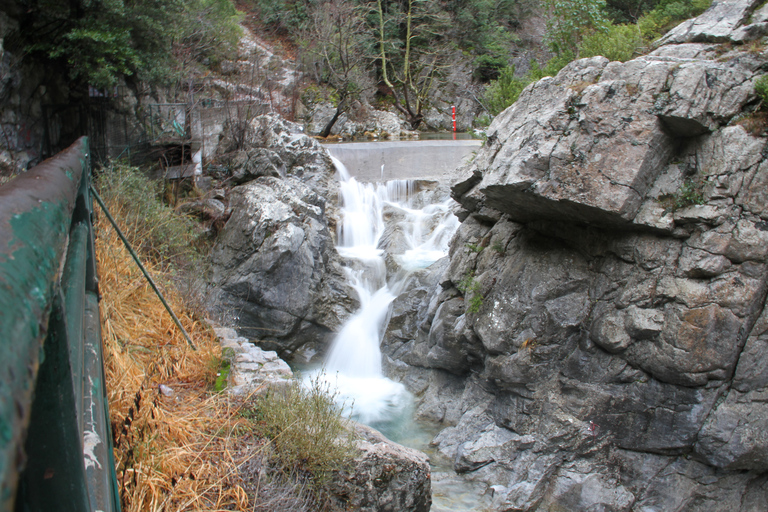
(327, 130)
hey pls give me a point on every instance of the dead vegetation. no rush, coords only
(179, 445)
(173, 445)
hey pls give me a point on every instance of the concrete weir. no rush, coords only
(392, 160)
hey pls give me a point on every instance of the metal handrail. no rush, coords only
(55, 435)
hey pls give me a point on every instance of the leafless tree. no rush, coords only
(412, 64)
(337, 42)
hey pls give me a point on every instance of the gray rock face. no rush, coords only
(592, 141)
(386, 477)
(599, 338)
(276, 274)
(726, 20)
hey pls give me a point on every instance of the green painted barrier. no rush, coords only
(55, 435)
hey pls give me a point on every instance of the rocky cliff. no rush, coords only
(277, 276)
(599, 338)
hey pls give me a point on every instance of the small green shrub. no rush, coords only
(489, 67)
(474, 247)
(761, 88)
(483, 121)
(475, 303)
(168, 238)
(498, 247)
(470, 286)
(221, 368)
(551, 68)
(619, 43)
(688, 194)
(504, 91)
(667, 14)
(306, 430)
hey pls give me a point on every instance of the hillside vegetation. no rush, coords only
(102, 41)
(399, 52)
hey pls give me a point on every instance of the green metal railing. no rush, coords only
(55, 435)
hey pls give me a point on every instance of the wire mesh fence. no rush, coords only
(160, 132)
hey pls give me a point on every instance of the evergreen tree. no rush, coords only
(102, 40)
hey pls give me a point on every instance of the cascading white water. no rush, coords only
(353, 365)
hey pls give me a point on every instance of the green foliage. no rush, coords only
(504, 91)
(222, 367)
(499, 248)
(688, 194)
(761, 88)
(551, 68)
(582, 28)
(284, 17)
(474, 247)
(619, 43)
(571, 21)
(470, 286)
(103, 40)
(489, 66)
(483, 121)
(169, 239)
(667, 14)
(627, 11)
(475, 303)
(483, 28)
(306, 430)
(208, 31)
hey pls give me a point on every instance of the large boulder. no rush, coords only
(597, 340)
(724, 21)
(590, 142)
(384, 477)
(276, 275)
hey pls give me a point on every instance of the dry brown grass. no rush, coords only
(176, 452)
(755, 123)
(195, 449)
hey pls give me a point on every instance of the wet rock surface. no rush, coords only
(597, 339)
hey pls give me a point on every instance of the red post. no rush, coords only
(453, 115)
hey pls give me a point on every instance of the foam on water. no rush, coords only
(353, 365)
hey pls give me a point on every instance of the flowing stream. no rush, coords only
(353, 366)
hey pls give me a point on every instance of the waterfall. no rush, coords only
(353, 364)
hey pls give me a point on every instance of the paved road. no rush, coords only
(422, 159)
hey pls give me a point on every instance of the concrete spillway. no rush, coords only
(422, 159)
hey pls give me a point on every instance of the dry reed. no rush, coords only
(174, 452)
